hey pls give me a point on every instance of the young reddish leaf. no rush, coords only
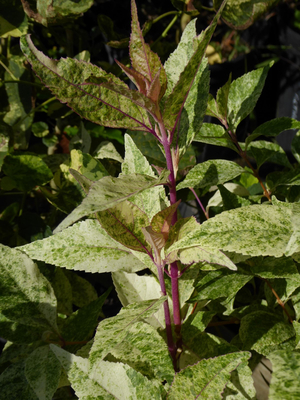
(161, 222)
(154, 90)
(140, 81)
(90, 91)
(143, 59)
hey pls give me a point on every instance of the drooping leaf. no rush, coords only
(211, 172)
(95, 381)
(96, 95)
(26, 296)
(263, 151)
(252, 230)
(42, 371)
(273, 128)
(112, 331)
(243, 95)
(85, 247)
(206, 379)
(215, 135)
(26, 171)
(285, 376)
(270, 332)
(108, 191)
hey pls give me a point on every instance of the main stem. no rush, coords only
(174, 267)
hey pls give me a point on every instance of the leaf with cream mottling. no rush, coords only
(109, 191)
(99, 381)
(85, 247)
(90, 91)
(215, 135)
(206, 379)
(26, 295)
(251, 230)
(285, 376)
(112, 331)
(42, 371)
(210, 173)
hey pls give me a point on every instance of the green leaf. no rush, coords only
(285, 376)
(243, 95)
(295, 147)
(112, 331)
(105, 380)
(273, 128)
(21, 333)
(132, 288)
(82, 141)
(215, 135)
(83, 292)
(80, 326)
(85, 247)
(40, 129)
(108, 192)
(108, 150)
(26, 171)
(26, 296)
(3, 148)
(270, 331)
(206, 379)
(13, 21)
(210, 173)
(252, 230)
(19, 98)
(143, 59)
(218, 108)
(232, 200)
(90, 91)
(42, 371)
(270, 267)
(136, 350)
(241, 385)
(263, 152)
(14, 385)
(190, 88)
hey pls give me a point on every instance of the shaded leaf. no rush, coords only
(263, 151)
(42, 371)
(215, 135)
(85, 247)
(26, 296)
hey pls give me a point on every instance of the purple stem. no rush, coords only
(199, 202)
(166, 142)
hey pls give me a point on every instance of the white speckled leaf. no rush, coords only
(210, 173)
(132, 288)
(206, 379)
(136, 350)
(285, 377)
(26, 296)
(243, 95)
(85, 247)
(211, 256)
(263, 151)
(112, 331)
(214, 134)
(251, 230)
(270, 331)
(151, 200)
(105, 380)
(109, 191)
(42, 371)
(240, 386)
